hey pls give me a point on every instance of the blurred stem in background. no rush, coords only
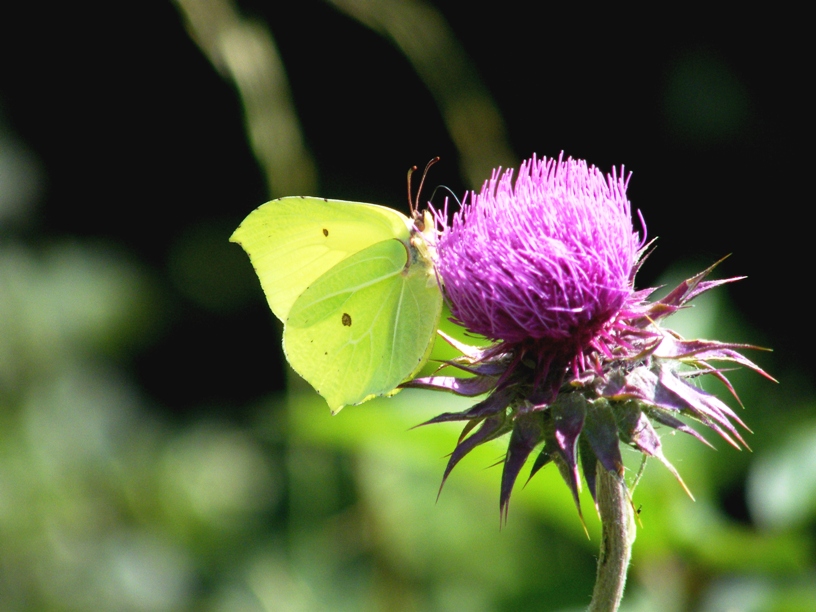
(244, 51)
(471, 116)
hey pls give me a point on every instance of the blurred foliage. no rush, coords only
(150, 458)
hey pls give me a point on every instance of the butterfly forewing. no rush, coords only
(292, 241)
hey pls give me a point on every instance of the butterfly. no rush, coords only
(355, 287)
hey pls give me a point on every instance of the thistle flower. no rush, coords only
(544, 267)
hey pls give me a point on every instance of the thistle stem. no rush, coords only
(618, 535)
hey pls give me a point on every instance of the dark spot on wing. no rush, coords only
(325, 232)
(346, 319)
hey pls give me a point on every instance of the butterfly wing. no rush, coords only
(360, 304)
(292, 241)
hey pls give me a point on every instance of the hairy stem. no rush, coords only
(617, 538)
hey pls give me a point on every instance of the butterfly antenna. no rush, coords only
(411, 205)
(422, 182)
(449, 190)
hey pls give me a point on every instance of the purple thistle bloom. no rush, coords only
(545, 263)
(544, 267)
